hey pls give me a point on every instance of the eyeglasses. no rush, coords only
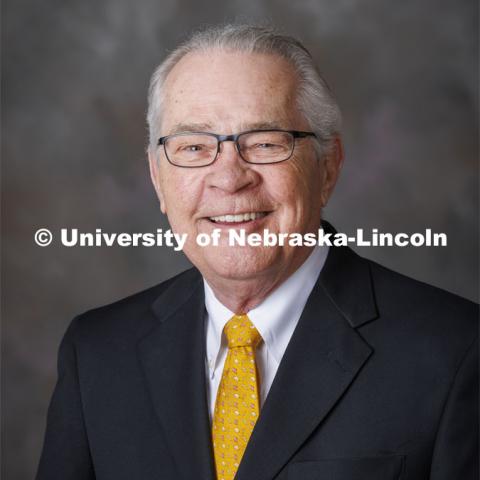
(200, 149)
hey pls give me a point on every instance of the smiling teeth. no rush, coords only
(243, 217)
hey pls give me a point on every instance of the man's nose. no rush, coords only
(230, 172)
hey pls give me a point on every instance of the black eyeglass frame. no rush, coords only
(234, 138)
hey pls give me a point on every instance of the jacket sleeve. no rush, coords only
(66, 453)
(456, 447)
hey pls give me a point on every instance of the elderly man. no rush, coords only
(263, 362)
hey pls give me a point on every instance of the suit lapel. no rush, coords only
(173, 360)
(322, 359)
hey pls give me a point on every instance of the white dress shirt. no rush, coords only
(275, 319)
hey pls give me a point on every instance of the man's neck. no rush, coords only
(242, 295)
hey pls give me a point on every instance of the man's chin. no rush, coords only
(237, 263)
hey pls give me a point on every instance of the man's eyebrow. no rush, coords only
(262, 126)
(206, 127)
(190, 127)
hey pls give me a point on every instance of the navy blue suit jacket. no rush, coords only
(379, 382)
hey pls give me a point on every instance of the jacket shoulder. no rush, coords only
(426, 317)
(402, 292)
(129, 316)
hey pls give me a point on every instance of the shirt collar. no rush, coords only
(277, 316)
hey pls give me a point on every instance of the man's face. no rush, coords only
(225, 93)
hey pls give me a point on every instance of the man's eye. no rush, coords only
(192, 148)
(265, 146)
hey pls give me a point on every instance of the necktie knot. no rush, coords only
(241, 332)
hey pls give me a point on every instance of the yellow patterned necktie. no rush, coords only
(237, 405)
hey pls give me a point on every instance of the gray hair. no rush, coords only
(315, 99)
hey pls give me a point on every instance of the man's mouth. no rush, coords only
(238, 218)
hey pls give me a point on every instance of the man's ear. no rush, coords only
(155, 176)
(332, 164)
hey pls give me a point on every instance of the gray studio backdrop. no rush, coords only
(75, 76)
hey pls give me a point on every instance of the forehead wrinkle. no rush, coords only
(221, 110)
(278, 76)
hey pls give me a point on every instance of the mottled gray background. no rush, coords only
(75, 75)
